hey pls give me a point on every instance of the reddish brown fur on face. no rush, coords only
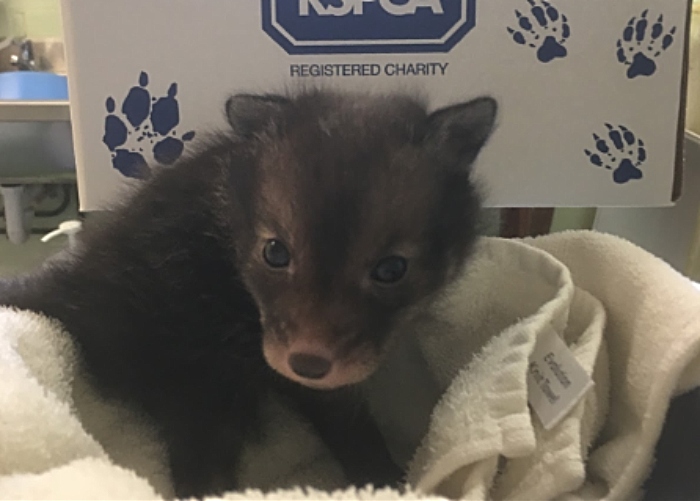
(344, 181)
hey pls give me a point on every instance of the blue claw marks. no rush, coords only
(137, 103)
(619, 151)
(166, 112)
(130, 164)
(642, 43)
(545, 28)
(115, 130)
(145, 120)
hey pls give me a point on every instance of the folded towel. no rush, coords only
(452, 399)
(60, 439)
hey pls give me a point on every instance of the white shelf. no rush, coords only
(34, 111)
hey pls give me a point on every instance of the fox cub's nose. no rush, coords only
(309, 366)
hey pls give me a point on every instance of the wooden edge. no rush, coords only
(526, 222)
(677, 190)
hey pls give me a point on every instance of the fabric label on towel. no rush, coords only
(556, 382)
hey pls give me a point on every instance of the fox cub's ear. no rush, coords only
(250, 113)
(458, 132)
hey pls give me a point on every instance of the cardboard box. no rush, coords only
(591, 92)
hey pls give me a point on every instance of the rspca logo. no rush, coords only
(367, 26)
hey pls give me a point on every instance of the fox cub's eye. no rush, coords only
(276, 254)
(390, 270)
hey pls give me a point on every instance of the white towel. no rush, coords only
(452, 399)
(60, 440)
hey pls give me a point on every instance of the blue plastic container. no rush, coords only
(33, 86)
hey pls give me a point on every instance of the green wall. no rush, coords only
(572, 219)
(35, 19)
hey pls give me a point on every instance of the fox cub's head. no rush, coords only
(358, 209)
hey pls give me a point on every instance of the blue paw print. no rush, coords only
(621, 151)
(144, 119)
(545, 29)
(641, 44)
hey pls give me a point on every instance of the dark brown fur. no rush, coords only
(176, 311)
